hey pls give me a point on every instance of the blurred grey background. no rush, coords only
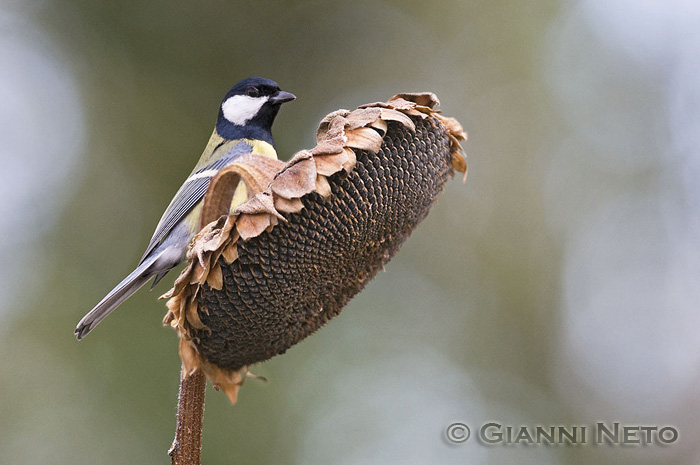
(558, 286)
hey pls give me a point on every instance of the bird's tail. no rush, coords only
(119, 294)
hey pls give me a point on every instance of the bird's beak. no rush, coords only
(281, 97)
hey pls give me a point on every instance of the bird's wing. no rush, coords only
(190, 193)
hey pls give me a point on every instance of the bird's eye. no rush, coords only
(253, 92)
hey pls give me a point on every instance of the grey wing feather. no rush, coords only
(185, 198)
(191, 192)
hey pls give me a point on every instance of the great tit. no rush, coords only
(243, 126)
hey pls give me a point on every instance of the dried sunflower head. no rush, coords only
(312, 233)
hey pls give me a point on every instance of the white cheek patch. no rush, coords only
(240, 109)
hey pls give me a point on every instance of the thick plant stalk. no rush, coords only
(187, 445)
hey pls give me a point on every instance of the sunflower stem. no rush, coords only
(187, 445)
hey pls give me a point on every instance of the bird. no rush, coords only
(243, 126)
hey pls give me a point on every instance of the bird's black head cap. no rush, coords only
(250, 108)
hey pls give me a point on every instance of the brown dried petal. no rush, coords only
(364, 139)
(215, 280)
(190, 357)
(322, 187)
(252, 225)
(288, 205)
(352, 159)
(426, 99)
(192, 315)
(393, 115)
(459, 164)
(361, 118)
(379, 124)
(297, 180)
(401, 104)
(327, 165)
(329, 146)
(228, 381)
(327, 123)
(197, 275)
(260, 203)
(453, 127)
(230, 253)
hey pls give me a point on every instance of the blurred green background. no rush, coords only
(558, 286)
